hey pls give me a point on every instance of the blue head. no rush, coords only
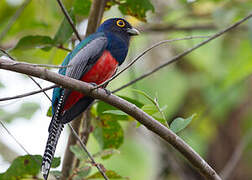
(118, 31)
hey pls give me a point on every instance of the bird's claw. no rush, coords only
(95, 87)
(93, 84)
(108, 92)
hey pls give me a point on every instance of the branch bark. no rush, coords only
(121, 104)
(95, 16)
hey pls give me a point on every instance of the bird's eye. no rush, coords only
(120, 23)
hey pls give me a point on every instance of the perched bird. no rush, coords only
(94, 60)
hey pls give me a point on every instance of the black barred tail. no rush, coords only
(55, 129)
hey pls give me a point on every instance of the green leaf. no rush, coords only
(65, 31)
(149, 109)
(108, 132)
(29, 42)
(115, 112)
(110, 174)
(55, 162)
(104, 154)
(133, 101)
(23, 166)
(145, 95)
(135, 8)
(49, 112)
(104, 107)
(179, 124)
(78, 152)
(82, 7)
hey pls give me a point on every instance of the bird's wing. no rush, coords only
(86, 57)
(80, 60)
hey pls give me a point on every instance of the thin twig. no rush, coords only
(89, 155)
(177, 57)
(69, 19)
(63, 48)
(28, 94)
(144, 52)
(41, 65)
(15, 139)
(13, 19)
(7, 54)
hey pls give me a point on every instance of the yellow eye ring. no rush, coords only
(120, 23)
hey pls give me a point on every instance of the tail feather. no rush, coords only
(55, 129)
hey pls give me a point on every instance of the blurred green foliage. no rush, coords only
(214, 81)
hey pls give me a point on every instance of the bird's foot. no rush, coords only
(95, 87)
(93, 84)
(108, 92)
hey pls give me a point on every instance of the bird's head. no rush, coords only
(118, 32)
(118, 26)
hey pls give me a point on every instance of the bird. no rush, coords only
(94, 60)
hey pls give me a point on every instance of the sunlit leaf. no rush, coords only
(179, 124)
(110, 174)
(115, 112)
(49, 112)
(149, 109)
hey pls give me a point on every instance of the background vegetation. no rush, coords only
(211, 87)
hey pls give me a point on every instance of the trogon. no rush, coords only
(94, 60)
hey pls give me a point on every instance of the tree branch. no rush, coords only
(177, 57)
(121, 104)
(95, 15)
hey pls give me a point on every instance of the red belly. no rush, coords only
(103, 69)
